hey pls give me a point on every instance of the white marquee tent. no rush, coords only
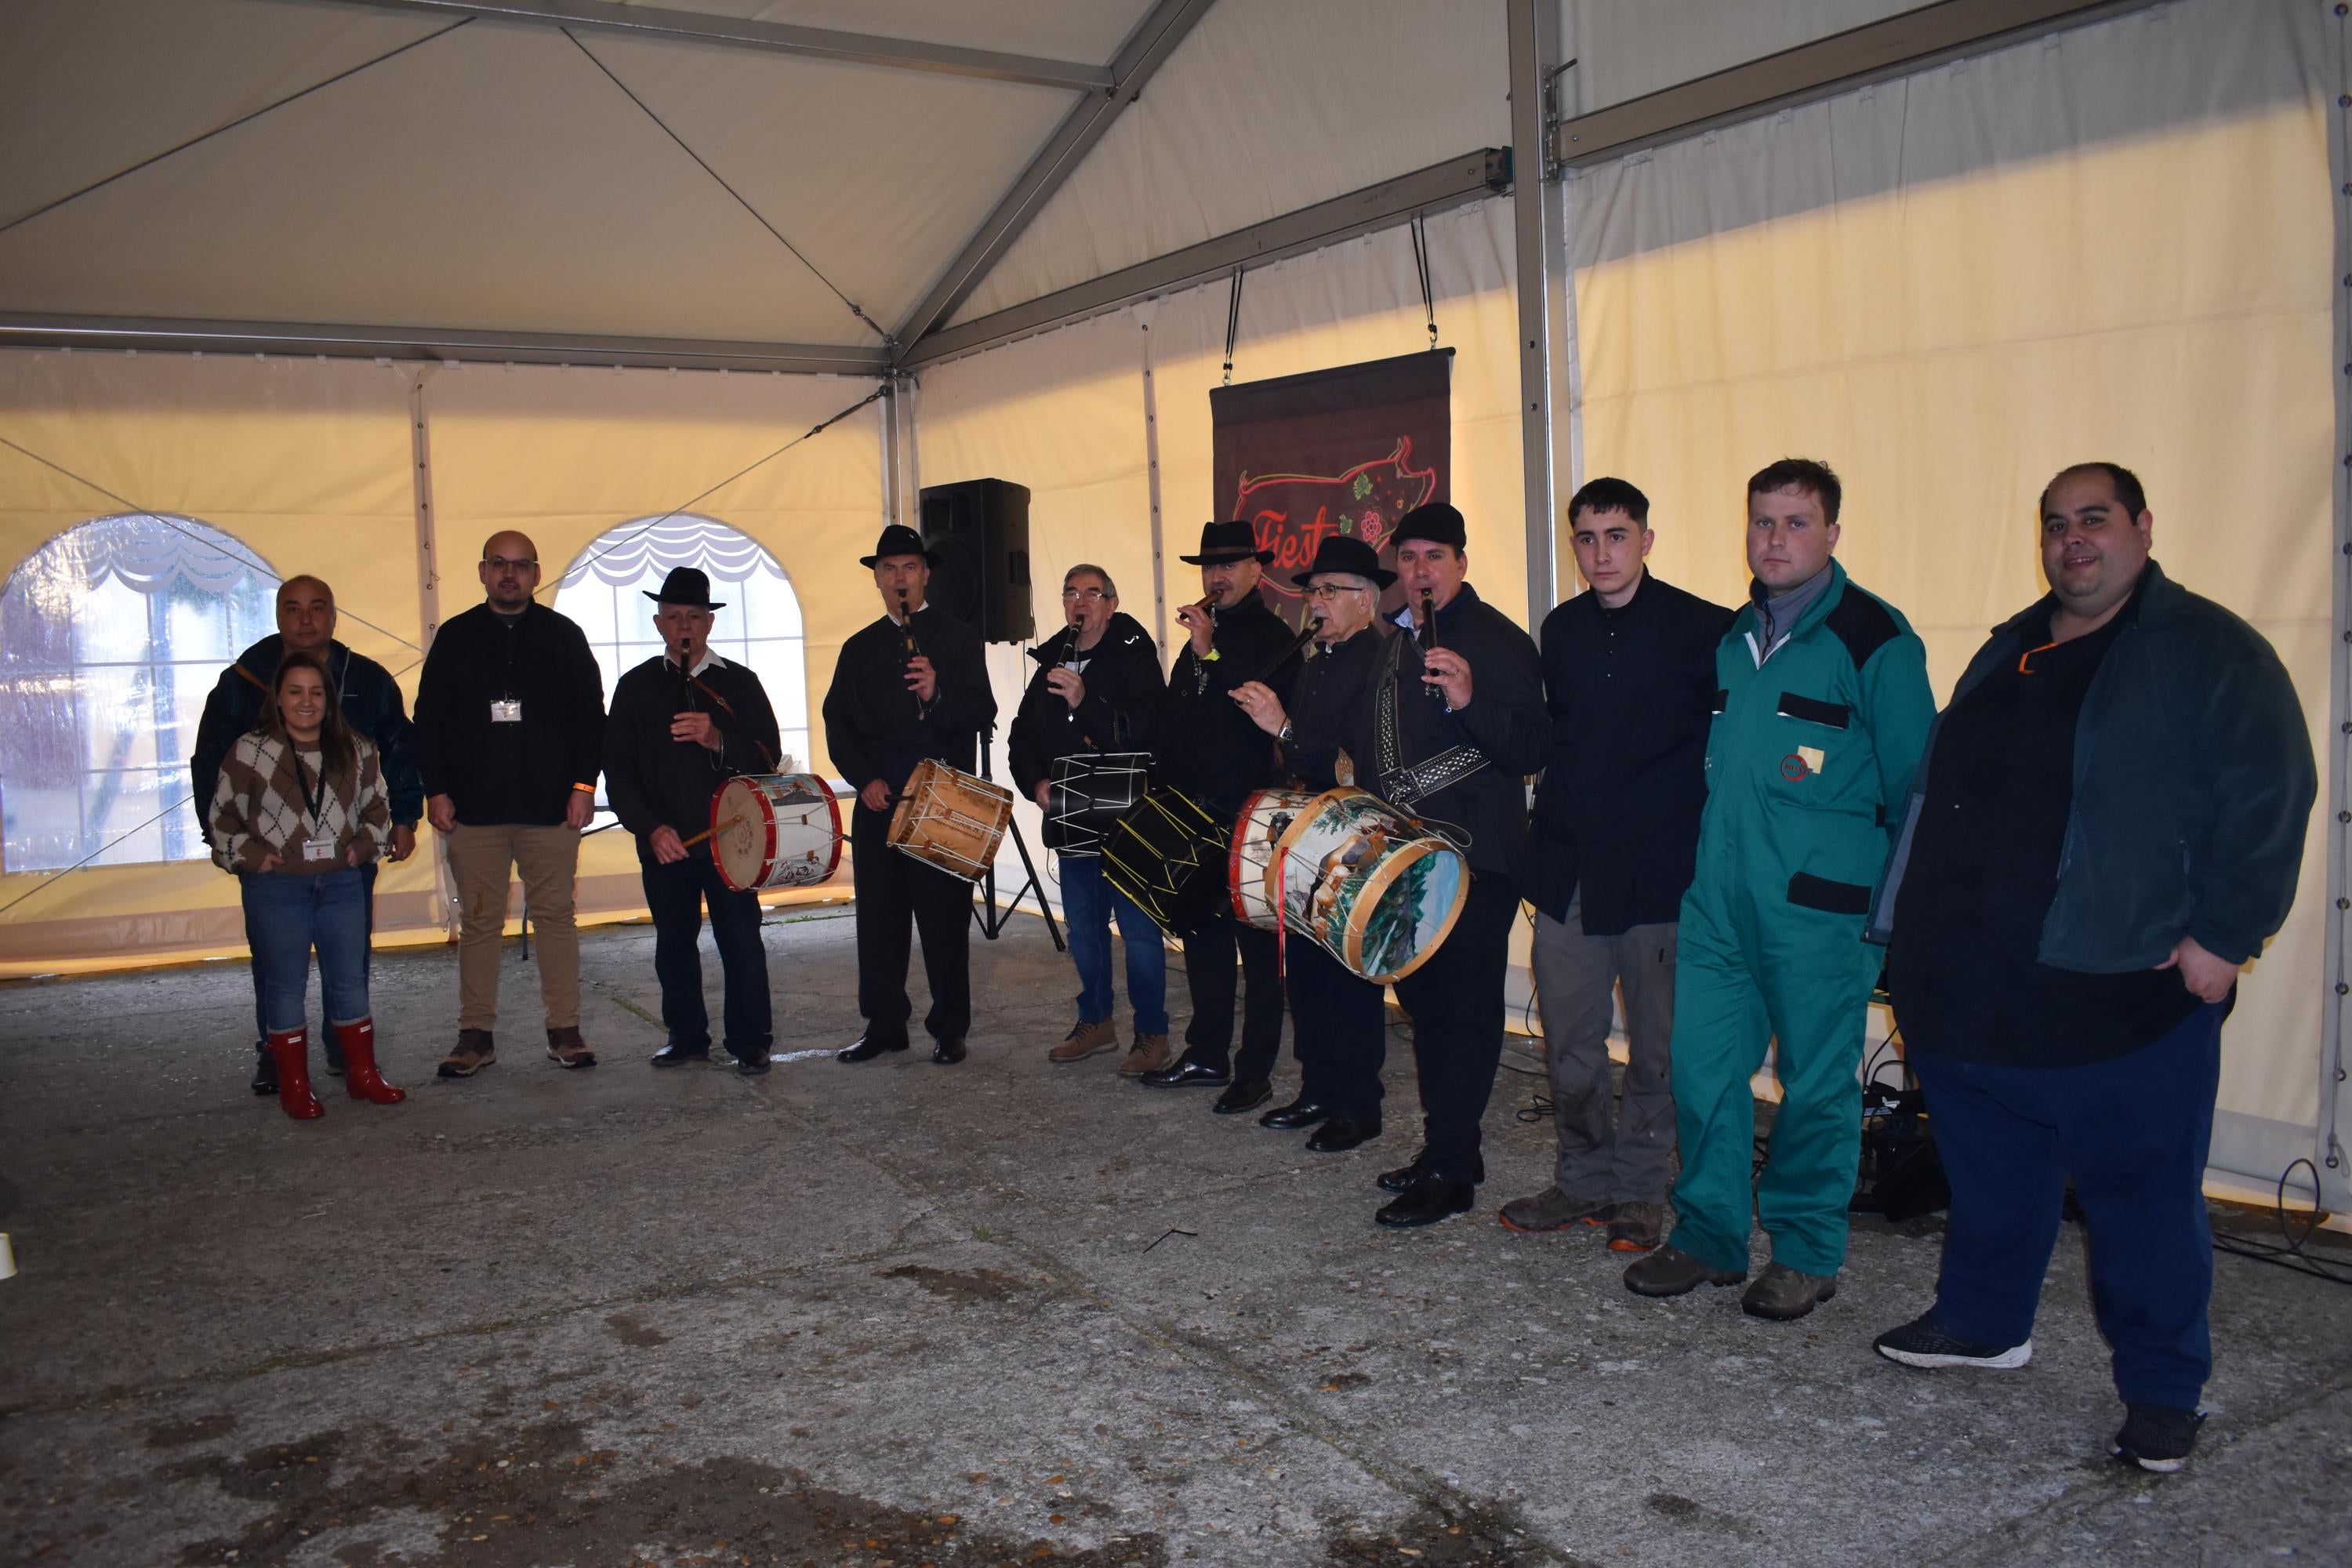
(341, 286)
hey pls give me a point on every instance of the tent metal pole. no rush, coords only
(2334, 1132)
(1540, 226)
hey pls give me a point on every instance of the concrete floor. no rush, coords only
(995, 1313)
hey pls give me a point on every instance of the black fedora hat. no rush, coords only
(685, 586)
(899, 539)
(1339, 552)
(1223, 542)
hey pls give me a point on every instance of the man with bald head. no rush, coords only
(510, 737)
(370, 702)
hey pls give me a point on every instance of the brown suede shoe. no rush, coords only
(475, 1051)
(1084, 1039)
(565, 1048)
(1148, 1055)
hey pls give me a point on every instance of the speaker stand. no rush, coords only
(992, 919)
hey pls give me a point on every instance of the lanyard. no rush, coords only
(314, 797)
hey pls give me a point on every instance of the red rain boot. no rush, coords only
(291, 1050)
(361, 1076)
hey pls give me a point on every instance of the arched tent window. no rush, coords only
(111, 636)
(604, 592)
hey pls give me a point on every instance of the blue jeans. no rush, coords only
(2132, 1133)
(285, 915)
(262, 995)
(675, 895)
(1089, 906)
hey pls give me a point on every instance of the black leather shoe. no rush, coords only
(673, 1054)
(1427, 1202)
(265, 1073)
(1189, 1074)
(1402, 1178)
(1335, 1135)
(866, 1048)
(751, 1066)
(947, 1053)
(1290, 1117)
(1247, 1095)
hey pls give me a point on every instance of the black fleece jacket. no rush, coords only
(1120, 712)
(518, 774)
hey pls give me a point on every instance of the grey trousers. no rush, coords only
(1624, 1159)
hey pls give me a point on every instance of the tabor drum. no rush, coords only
(1370, 885)
(1254, 851)
(1167, 855)
(1089, 792)
(774, 830)
(950, 819)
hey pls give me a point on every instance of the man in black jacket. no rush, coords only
(372, 705)
(913, 684)
(684, 723)
(2107, 825)
(1097, 690)
(1629, 678)
(510, 737)
(1209, 749)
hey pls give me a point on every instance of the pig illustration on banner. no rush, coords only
(1294, 513)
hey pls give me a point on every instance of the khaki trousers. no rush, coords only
(549, 860)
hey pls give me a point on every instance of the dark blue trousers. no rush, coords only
(675, 895)
(2132, 1133)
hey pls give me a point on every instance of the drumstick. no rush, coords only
(1429, 636)
(715, 827)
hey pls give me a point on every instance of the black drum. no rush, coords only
(1168, 856)
(1089, 792)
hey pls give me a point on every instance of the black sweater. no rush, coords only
(372, 705)
(1206, 745)
(520, 773)
(873, 725)
(1331, 707)
(1118, 713)
(654, 779)
(1631, 694)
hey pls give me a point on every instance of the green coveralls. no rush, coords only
(1807, 764)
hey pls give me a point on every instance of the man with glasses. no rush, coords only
(1097, 690)
(510, 737)
(684, 723)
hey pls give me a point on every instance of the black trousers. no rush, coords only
(1339, 1029)
(675, 894)
(1455, 1002)
(1209, 977)
(890, 888)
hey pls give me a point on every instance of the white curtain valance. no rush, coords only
(149, 553)
(626, 553)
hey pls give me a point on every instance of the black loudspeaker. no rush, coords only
(980, 531)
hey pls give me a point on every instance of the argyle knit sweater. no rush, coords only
(261, 806)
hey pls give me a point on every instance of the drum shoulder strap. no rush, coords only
(1404, 785)
(729, 708)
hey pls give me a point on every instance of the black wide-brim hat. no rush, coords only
(1340, 553)
(685, 586)
(1223, 542)
(899, 539)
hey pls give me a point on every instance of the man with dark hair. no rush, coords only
(372, 705)
(1629, 679)
(2108, 825)
(510, 737)
(1823, 710)
(1096, 690)
(1208, 748)
(684, 723)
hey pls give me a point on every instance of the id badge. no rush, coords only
(318, 849)
(506, 710)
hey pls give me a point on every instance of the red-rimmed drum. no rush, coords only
(950, 819)
(1369, 884)
(774, 830)
(1266, 819)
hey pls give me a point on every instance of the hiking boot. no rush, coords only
(1553, 1209)
(1085, 1038)
(1148, 1053)
(1671, 1271)
(1923, 1343)
(475, 1051)
(565, 1048)
(2157, 1438)
(1637, 1226)
(1782, 1293)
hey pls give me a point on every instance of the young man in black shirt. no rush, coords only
(912, 685)
(1629, 679)
(684, 723)
(2107, 825)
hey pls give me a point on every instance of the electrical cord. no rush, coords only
(2288, 1251)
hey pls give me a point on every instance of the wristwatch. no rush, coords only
(1286, 732)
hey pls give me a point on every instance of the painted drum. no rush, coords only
(1167, 855)
(1370, 885)
(1266, 819)
(1088, 793)
(774, 830)
(950, 819)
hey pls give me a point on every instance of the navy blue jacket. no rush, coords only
(1120, 712)
(372, 705)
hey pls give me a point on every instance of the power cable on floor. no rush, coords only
(2288, 1251)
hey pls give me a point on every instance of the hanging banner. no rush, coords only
(1344, 451)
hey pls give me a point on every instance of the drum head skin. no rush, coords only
(1370, 885)
(950, 820)
(774, 830)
